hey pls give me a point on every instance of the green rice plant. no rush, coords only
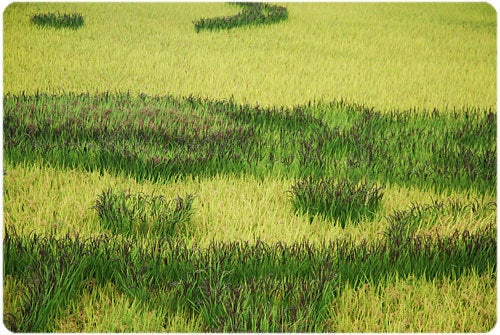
(337, 199)
(58, 21)
(404, 224)
(169, 137)
(233, 286)
(267, 304)
(52, 281)
(140, 214)
(428, 150)
(253, 13)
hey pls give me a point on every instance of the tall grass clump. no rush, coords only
(338, 199)
(142, 214)
(253, 13)
(58, 21)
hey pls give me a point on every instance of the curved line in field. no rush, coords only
(251, 14)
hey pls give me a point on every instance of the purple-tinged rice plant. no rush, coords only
(404, 224)
(251, 14)
(342, 200)
(170, 137)
(235, 286)
(140, 214)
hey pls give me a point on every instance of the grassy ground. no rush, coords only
(424, 261)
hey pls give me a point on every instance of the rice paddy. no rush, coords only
(389, 56)
(165, 176)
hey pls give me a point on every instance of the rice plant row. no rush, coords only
(169, 137)
(253, 13)
(234, 286)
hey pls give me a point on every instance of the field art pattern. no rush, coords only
(252, 14)
(58, 21)
(186, 171)
(153, 137)
(204, 137)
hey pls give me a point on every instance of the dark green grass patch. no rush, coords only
(337, 199)
(142, 214)
(58, 21)
(233, 286)
(169, 137)
(252, 13)
(404, 224)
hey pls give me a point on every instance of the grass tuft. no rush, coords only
(338, 199)
(141, 214)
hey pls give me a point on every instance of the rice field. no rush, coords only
(389, 56)
(212, 167)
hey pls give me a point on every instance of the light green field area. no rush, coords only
(390, 56)
(226, 208)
